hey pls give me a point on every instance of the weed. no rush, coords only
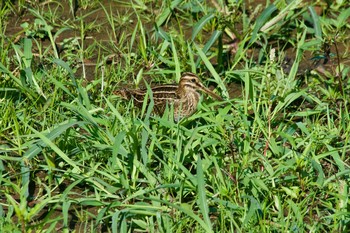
(272, 158)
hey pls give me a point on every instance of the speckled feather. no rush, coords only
(184, 96)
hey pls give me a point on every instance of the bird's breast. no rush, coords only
(186, 105)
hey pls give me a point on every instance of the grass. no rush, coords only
(272, 157)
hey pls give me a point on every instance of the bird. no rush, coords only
(184, 96)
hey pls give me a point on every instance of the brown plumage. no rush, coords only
(184, 96)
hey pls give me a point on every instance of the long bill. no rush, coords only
(209, 92)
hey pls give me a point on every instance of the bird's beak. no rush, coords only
(209, 92)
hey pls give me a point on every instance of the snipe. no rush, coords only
(184, 96)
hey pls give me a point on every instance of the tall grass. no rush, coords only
(274, 158)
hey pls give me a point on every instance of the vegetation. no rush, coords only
(272, 157)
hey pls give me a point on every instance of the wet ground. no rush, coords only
(99, 32)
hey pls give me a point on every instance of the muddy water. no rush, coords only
(97, 30)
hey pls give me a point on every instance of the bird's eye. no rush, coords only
(193, 80)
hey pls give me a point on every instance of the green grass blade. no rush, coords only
(210, 67)
(49, 143)
(261, 20)
(176, 61)
(202, 199)
(201, 23)
(316, 22)
(185, 210)
(57, 131)
(167, 12)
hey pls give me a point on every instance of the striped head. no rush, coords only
(189, 82)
